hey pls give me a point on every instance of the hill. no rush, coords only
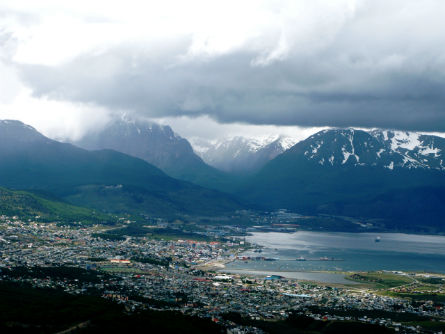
(105, 179)
(29, 206)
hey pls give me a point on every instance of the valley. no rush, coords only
(227, 167)
(137, 227)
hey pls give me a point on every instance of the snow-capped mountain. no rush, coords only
(391, 176)
(388, 149)
(242, 154)
(154, 143)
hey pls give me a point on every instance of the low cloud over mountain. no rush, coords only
(307, 63)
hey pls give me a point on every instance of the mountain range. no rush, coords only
(394, 176)
(380, 148)
(103, 179)
(242, 154)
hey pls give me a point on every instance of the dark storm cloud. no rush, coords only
(369, 74)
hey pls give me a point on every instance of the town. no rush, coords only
(186, 275)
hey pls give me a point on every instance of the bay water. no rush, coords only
(302, 252)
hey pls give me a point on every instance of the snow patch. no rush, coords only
(287, 142)
(315, 149)
(346, 155)
(411, 163)
(406, 140)
(430, 150)
(390, 166)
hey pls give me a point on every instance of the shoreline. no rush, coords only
(380, 232)
(311, 276)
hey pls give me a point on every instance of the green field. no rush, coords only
(139, 230)
(380, 280)
(28, 205)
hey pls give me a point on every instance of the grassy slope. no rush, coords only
(381, 280)
(28, 205)
(98, 179)
(92, 179)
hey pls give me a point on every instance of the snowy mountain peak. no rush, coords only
(242, 154)
(155, 143)
(388, 149)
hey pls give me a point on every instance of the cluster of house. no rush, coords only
(172, 274)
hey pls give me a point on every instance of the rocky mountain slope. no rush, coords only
(242, 154)
(382, 148)
(157, 144)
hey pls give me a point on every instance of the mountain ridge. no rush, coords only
(100, 179)
(344, 172)
(242, 154)
(157, 144)
(390, 149)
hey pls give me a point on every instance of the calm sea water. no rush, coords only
(351, 252)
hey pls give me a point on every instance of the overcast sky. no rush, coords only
(215, 68)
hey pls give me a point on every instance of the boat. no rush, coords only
(300, 259)
(377, 239)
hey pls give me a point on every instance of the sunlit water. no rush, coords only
(350, 251)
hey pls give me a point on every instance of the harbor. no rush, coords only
(305, 251)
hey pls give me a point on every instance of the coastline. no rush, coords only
(310, 276)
